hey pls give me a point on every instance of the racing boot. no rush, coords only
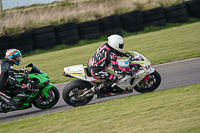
(103, 85)
(95, 89)
(117, 89)
(9, 103)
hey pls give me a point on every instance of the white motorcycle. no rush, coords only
(78, 92)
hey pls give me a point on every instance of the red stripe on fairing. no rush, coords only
(104, 47)
(113, 61)
(95, 76)
(122, 69)
(111, 76)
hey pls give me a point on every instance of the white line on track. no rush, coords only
(177, 61)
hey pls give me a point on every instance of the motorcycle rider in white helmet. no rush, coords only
(107, 54)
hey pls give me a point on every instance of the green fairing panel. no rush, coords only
(41, 77)
(20, 79)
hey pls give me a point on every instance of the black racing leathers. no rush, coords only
(7, 77)
(104, 56)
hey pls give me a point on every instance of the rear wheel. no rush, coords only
(42, 102)
(73, 90)
(153, 81)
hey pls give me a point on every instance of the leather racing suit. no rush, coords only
(7, 77)
(103, 56)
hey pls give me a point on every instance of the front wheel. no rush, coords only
(153, 81)
(73, 91)
(42, 102)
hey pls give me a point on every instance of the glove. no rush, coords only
(131, 73)
(127, 54)
(23, 70)
(26, 86)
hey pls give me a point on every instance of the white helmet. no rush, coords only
(116, 42)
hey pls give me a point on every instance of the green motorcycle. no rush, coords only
(42, 94)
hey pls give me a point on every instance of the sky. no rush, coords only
(14, 3)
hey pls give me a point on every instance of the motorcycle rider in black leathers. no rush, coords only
(107, 53)
(7, 77)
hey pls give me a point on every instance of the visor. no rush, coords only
(17, 57)
(121, 46)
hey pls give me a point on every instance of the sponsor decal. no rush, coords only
(126, 62)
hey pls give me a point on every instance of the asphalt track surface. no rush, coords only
(173, 74)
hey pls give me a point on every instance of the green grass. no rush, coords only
(161, 46)
(169, 111)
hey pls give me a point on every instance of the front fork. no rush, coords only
(46, 89)
(151, 70)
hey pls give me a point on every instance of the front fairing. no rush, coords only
(140, 60)
(43, 78)
(142, 63)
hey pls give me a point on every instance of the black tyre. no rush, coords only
(25, 48)
(178, 19)
(42, 102)
(176, 13)
(132, 22)
(88, 24)
(4, 38)
(2, 53)
(192, 3)
(195, 15)
(113, 31)
(154, 81)
(42, 30)
(134, 28)
(174, 7)
(47, 44)
(43, 37)
(72, 91)
(4, 45)
(194, 9)
(20, 36)
(68, 39)
(88, 30)
(157, 23)
(27, 41)
(111, 25)
(154, 17)
(67, 33)
(91, 36)
(131, 15)
(113, 18)
(154, 11)
(65, 26)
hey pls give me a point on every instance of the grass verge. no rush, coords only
(169, 111)
(161, 46)
(22, 19)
